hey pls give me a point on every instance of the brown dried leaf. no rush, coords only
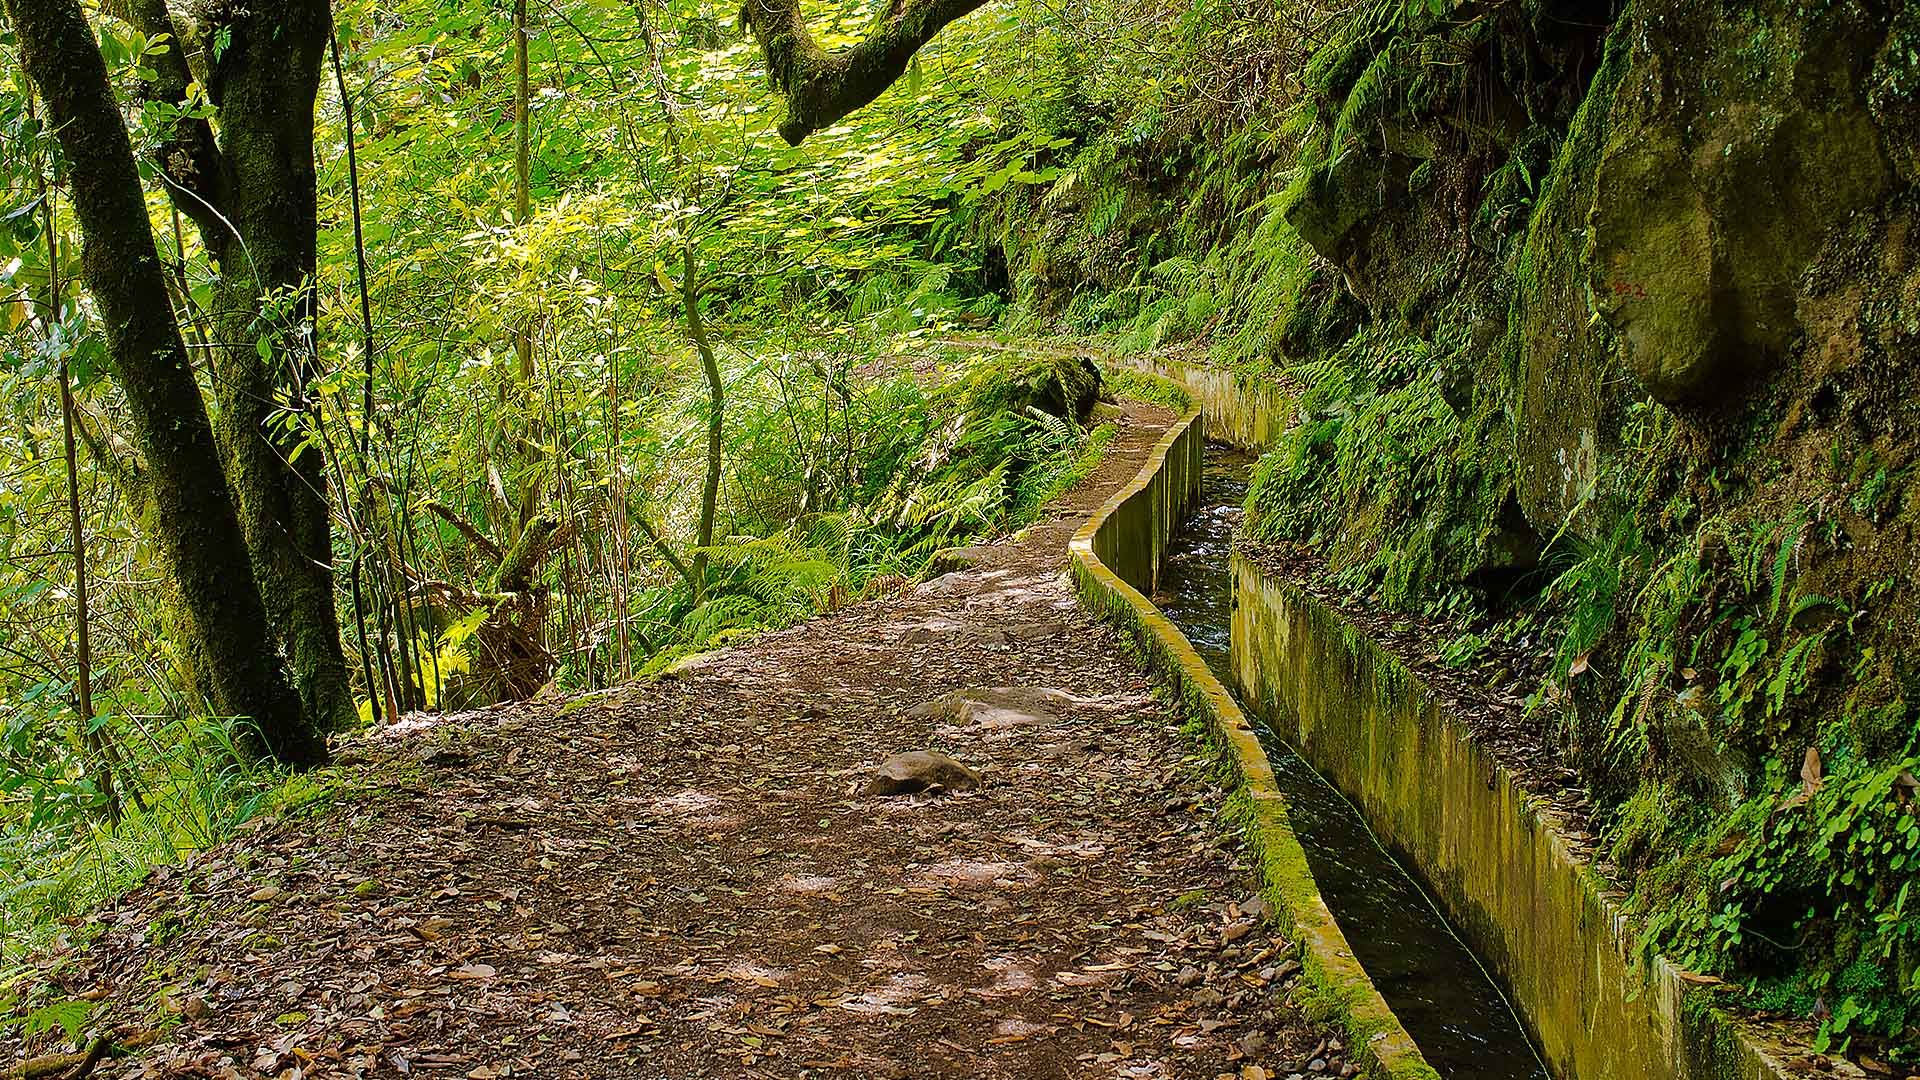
(1810, 773)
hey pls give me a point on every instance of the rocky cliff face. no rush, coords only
(1715, 157)
(1607, 319)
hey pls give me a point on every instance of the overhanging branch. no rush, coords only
(821, 88)
(189, 156)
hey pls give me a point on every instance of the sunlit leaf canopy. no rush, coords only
(628, 168)
(639, 165)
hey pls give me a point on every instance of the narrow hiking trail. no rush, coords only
(681, 878)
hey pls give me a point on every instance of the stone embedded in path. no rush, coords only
(995, 708)
(941, 629)
(955, 559)
(921, 770)
(958, 582)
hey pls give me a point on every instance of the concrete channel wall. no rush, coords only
(1241, 410)
(1115, 560)
(1500, 858)
(1526, 897)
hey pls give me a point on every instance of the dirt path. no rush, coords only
(679, 880)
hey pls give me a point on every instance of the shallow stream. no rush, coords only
(1446, 1000)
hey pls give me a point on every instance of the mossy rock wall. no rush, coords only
(1718, 147)
(1740, 135)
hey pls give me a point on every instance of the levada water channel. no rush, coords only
(1452, 1008)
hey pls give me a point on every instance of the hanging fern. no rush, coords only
(1369, 98)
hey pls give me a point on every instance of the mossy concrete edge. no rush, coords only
(1241, 410)
(1500, 858)
(1113, 555)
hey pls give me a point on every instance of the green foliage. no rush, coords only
(876, 483)
(187, 790)
(1822, 866)
(1415, 491)
(1128, 383)
(68, 1017)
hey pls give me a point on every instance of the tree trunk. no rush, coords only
(224, 621)
(366, 355)
(264, 84)
(716, 422)
(522, 171)
(251, 192)
(529, 493)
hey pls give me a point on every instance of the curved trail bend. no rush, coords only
(681, 880)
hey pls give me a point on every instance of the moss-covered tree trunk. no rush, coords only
(252, 193)
(224, 620)
(265, 83)
(821, 88)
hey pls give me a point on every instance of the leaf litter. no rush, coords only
(680, 878)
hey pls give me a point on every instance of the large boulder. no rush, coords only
(1065, 386)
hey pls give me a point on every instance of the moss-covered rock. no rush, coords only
(1736, 140)
(1057, 384)
(1893, 92)
(1337, 198)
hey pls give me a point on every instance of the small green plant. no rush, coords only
(67, 1016)
(1464, 650)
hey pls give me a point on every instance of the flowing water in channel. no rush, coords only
(1449, 1005)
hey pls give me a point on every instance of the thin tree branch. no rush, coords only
(666, 552)
(464, 527)
(189, 158)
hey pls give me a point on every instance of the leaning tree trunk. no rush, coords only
(252, 194)
(224, 622)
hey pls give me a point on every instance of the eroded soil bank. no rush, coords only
(681, 879)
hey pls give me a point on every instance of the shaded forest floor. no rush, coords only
(681, 878)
